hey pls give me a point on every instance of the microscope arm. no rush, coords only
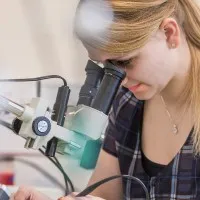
(74, 130)
(82, 123)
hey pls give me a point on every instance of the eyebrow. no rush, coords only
(126, 58)
(121, 60)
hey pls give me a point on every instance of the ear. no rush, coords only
(172, 32)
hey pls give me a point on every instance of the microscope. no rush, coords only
(74, 130)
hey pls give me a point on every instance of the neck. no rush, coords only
(173, 91)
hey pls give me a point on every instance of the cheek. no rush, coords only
(153, 71)
(143, 72)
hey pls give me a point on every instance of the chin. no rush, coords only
(145, 95)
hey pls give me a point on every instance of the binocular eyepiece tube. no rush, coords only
(101, 86)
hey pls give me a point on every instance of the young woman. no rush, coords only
(154, 127)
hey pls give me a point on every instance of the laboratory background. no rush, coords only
(36, 39)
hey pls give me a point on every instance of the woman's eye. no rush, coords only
(122, 63)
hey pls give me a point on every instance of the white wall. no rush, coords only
(36, 39)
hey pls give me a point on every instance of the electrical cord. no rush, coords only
(67, 179)
(35, 79)
(6, 124)
(67, 191)
(59, 166)
(92, 187)
(35, 166)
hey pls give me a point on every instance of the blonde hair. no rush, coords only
(134, 23)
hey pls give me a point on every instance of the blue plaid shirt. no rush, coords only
(177, 181)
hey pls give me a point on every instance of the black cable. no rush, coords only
(43, 171)
(6, 124)
(35, 79)
(38, 89)
(57, 163)
(36, 167)
(67, 179)
(60, 169)
(92, 187)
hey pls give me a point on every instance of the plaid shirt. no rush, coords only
(177, 181)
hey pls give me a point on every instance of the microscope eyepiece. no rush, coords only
(94, 76)
(109, 86)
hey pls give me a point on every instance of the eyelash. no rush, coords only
(122, 63)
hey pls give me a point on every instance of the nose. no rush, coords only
(124, 82)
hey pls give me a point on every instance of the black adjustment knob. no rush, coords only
(41, 126)
(16, 124)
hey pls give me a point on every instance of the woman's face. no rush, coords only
(149, 69)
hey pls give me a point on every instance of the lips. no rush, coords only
(134, 87)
